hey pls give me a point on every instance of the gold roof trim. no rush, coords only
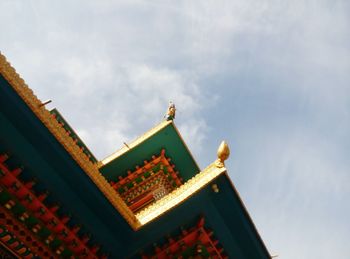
(134, 143)
(27, 95)
(180, 194)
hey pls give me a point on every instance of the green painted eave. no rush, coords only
(167, 138)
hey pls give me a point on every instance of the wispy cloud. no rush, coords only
(270, 77)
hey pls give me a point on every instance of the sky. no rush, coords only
(272, 78)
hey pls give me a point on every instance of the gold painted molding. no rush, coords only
(180, 194)
(27, 95)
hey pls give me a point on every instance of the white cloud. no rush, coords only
(116, 103)
(112, 66)
(303, 190)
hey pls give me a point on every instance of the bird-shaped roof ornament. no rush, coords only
(170, 115)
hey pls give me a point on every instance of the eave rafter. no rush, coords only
(28, 204)
(195, 242)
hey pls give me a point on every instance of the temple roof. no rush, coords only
(41, 144)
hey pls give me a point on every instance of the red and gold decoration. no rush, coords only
(148, 183)
(35, 225)
(196, 242)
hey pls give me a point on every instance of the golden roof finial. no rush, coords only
(223, 154)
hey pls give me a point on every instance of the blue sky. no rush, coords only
(270, 77)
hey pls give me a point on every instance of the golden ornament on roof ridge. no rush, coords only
(223, 153)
